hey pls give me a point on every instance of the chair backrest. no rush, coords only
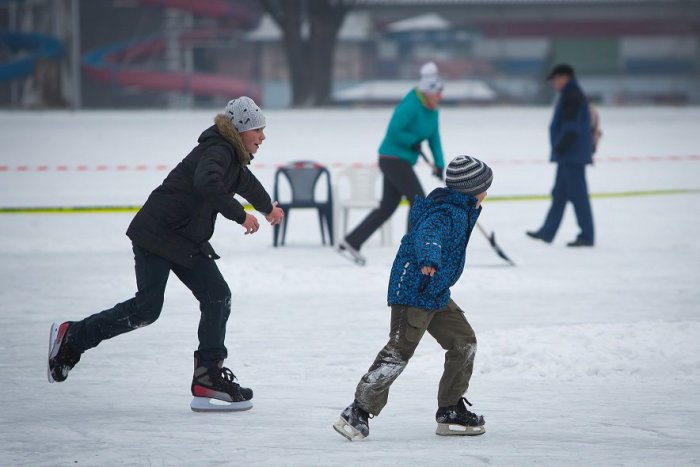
(362, 183)
(303, 177)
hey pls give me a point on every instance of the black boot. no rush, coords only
(458, 420)
(580, 242)
(537, 236)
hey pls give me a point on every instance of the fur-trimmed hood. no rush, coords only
(225, 128)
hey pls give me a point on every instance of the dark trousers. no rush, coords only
(152, 271)
(570, 185)
(399, 180)
(453, 332)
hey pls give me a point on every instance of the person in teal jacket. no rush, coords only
(414, 120)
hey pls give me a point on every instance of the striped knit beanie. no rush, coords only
(468, 175)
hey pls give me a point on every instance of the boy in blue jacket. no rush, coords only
(430, 260)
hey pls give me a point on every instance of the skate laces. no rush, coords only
(226, 377)
(467, 413)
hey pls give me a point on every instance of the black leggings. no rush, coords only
(399, 180)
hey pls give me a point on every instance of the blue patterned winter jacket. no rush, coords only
(439, 230)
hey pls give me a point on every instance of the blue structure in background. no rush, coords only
(38, 46)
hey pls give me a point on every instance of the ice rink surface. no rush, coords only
(586, 357)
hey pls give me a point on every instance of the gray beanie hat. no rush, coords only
(468, 175)
(245, 114)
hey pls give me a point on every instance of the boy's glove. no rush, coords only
(428, 272)
(424, 283)
(439, 172)
(416, 147)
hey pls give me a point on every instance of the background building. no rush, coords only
(177, 53)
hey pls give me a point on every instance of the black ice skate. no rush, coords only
(352, 253)
(458, 420)
(62, 357)
(353, 423)
(215, 390)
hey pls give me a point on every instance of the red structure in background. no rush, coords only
(110, 64)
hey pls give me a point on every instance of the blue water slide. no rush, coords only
(26, 48)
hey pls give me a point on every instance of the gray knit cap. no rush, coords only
(245, 114)
(468, 175)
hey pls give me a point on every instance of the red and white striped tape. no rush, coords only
(262, 166)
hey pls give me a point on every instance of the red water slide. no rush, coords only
(110, 64)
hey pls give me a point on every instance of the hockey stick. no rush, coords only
(494, 245)
(492, 237)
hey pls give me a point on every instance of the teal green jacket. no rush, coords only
(411, 123)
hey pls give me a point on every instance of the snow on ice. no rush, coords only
(586, 357)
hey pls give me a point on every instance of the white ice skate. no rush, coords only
(347, 430)
(347, 251)
(353, 423)
(453, 429)
(457, 420)
(209, 404)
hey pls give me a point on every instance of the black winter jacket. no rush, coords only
(178, 218)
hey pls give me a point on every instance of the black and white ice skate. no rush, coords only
(62, 357)
(458, 420)
(353, 423)
(353, 254)
(215, 390)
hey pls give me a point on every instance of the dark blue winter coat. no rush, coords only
(439, 230)
(570, 131)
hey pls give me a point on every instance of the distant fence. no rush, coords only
(264, 166)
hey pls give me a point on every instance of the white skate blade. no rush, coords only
(451, 429)
(346, 253)
(52, 343)
(207, 404)
(348, 431)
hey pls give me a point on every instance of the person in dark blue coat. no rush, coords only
(571, 139)
(430, 260)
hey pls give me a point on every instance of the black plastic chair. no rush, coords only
(303, 176)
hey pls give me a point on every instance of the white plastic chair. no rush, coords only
(355, 188)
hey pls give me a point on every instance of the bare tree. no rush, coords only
(309, 57)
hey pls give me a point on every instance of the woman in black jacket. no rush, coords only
(171, 232)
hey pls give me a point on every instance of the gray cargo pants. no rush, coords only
(448, 326)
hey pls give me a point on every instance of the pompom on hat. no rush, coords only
(245, 114)
(468, 175)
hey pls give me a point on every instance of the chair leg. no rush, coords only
(329, 221)
(284, 226)
(346, 216)
(320, 221)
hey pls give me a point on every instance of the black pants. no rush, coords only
(399, 180)
(152, 271)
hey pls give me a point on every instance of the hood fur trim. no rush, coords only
(228, 131)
